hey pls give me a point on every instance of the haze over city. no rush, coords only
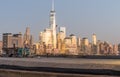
(59, 38)
(80, 17)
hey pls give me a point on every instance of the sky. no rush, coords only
(80, 17)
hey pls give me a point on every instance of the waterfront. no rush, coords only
(57, 60)
(12, 73)
(79, 67)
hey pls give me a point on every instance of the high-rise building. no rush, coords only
(119, 47)
(94, 44)
(63, 30)
(11, 42)
(1, 46)
(49, 36)
(85, 42)
(115, 49)
(53, 25)
(79, 41)
(71, 45)
(79, 44)
(31, 39)
(85, 46)
(28, 38)
(27, 33)
(94, 39)
(46, 37)
(98, 47)
(62, 33)
(7, 40)
(60, 39)
(73, 39)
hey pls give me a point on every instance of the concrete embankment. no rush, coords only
(18, 73)
(54, 72)
(59, 67)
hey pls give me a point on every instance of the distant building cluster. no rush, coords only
(12, 42)
(52, 42)
(97, 47)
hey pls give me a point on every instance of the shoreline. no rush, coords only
(110, 67)
(61, 71)
(18, 73)
(83, 56)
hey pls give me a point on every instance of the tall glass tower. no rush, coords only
(53, 25)
(94, 39)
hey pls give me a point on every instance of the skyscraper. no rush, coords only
(27, 36)
(94, 44)
(94, 39)
(85, 41)
(79, 41)
(28, 39)
(63, 30)
(53, 25)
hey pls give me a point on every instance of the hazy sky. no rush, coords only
(80, 17)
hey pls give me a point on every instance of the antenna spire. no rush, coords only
(53, 5)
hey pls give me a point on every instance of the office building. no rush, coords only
(53, 25)
(71, 45)
(27, 38)
(49, 36)
(63, 30)
(46, 37)
(94, 39)
(11, 42)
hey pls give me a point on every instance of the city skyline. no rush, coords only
(100, 15)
